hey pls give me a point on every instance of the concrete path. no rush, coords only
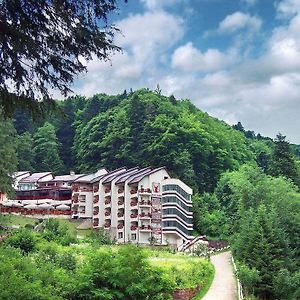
(224, 284)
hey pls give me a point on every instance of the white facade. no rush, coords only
(137, 205)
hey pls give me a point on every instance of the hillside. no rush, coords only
(141, 128)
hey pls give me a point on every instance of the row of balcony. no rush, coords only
(121, 226)
(120, 202)
(107, 190)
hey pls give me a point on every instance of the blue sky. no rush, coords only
(238, 60)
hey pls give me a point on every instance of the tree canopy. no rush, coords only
(44, 45)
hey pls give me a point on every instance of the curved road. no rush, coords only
(224, 284)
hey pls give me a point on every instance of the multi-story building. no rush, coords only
(138, 205)
(82, 196)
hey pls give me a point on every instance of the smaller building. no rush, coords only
(33, 181)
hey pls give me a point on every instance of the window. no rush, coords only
(178, 189)
(120, 235)
(173, 199)
(133, 236)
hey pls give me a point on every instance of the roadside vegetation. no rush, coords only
(54, 264)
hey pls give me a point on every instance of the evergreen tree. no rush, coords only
(25, 151)
(46, 149)
(283, 161)
(8, 155)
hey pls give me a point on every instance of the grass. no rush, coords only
(15, 220)
(183, 271)
(206, 286)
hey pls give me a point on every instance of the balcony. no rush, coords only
(75, 199)
(75, 188)
(120, 214)
(133, 216)
(120, 202)
(133, 203)
(106, 225)
(133, 227)
(96, 222)
(120, 226)
(120, 191)
(107, 213)
(96, 199)
(107, 201)
(145, 215)
(145, 228)
(107, 192)
(145, 191)
(96, 189)
(133, 193)
(145, 203)
(96, 211)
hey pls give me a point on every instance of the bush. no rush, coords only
(53, 230)
(23, 240)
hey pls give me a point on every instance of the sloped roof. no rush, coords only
(135, 172)
(139, 177)
(35, 177)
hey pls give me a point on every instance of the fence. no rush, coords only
(240, 288)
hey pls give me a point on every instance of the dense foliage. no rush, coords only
(8, 155)
(145, 128)
(44, 44)
(260, 215)
(42, 266)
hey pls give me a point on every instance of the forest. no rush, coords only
(246, 186)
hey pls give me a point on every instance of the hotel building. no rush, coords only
(136, 205)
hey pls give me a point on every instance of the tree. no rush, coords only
(44, 45)
(25, 152)
(46, 149)
(283, 161)
(8, 155)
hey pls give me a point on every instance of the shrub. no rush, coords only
(22, 239)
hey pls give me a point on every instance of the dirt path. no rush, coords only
(224, 285)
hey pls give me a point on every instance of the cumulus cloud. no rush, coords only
(239, 20)
(158, 4)
(144, 46)
(259, 92)
(188, 58)
(287, 8)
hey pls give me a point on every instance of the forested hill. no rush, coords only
(141, 128)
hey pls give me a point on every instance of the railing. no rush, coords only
(132, 192)
(133, 203)
(120, 215)
(240, 288)
(120, 202)
(133, 216)
(108, 201)
(147, 190)
(144, 215)
(120, 226)
(120, 191)
(145, 227)
(145, 202)
(107, 213)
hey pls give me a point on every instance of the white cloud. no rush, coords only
(262, 92)
(287, 8)
(144, 46)
(144, 36)
(188, 58)
(239, 20)
(158, 4)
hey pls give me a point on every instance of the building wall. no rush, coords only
(127, 211)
